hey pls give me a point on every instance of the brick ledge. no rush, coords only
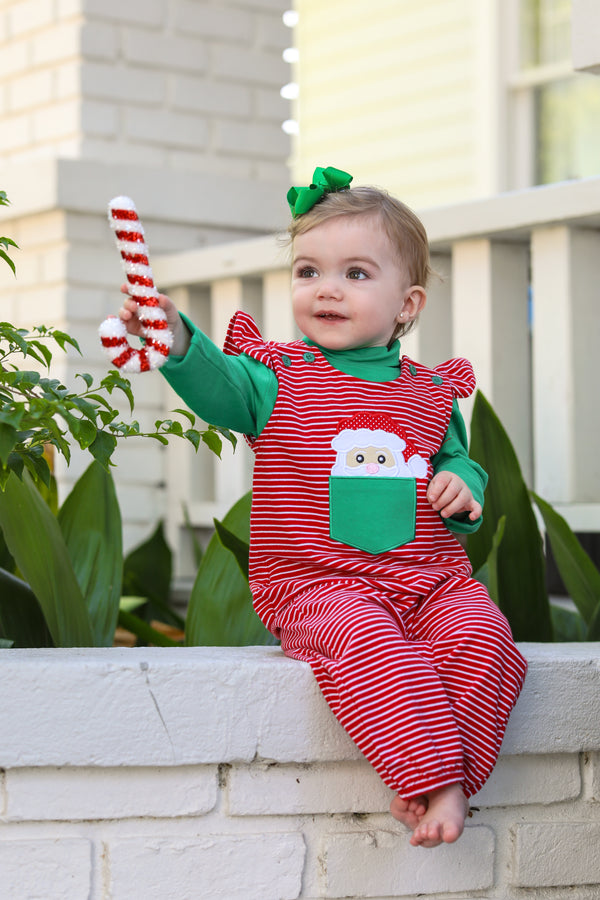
(203, 705)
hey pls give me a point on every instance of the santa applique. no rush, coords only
(373, 444)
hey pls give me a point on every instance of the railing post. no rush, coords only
(230, 475)
(277, 306)
(565, 278)
(491, 328)
(431, 341)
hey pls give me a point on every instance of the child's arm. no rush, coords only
(235, 392)
(457, 487)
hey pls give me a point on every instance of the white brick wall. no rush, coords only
(220, 774)
(102, 80)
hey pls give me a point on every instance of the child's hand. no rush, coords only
(449, 495)
(128, 315)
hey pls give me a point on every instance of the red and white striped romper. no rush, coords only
(359, 576)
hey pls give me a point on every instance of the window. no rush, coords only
(556, 110)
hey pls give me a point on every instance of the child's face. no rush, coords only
(349, 288)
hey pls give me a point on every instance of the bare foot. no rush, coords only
(409, 812)
(444, 820)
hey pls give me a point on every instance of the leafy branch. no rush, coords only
(4, 241)
(36, 410)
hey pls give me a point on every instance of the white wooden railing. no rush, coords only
(518, 293)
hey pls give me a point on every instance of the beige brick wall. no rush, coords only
(394, 92)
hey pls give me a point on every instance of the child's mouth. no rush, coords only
(330, 316)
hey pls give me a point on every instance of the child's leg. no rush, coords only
(481, 669)
(383, 689)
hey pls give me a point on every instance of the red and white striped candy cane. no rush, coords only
(129, 235)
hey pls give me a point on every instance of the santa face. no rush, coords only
(349, 287)
(370, 461)
(371, 452)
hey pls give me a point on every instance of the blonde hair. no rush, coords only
(402, 226)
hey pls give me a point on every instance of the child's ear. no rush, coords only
(413, 303)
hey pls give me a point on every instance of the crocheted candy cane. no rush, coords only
(129, 235)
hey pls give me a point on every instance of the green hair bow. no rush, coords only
(325, 181)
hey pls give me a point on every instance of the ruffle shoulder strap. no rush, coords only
(459, 374)
(243, 336)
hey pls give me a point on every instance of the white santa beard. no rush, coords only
(389, 471)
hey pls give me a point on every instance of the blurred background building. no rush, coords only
(445, 100)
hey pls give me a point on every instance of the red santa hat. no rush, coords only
(378, 422)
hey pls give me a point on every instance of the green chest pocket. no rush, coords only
(372, 513)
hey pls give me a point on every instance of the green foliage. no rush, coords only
(487, 574)
(147, 576)
(521, 566)
(73, 566)
(21, 616)
(579, 574)
(4, 241)
(72, 562)
(220, 611)
(61, 571)
(507, 552)
(90, 522)
(36, 411)
(38, 545)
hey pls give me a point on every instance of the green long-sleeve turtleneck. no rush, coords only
(239, 393)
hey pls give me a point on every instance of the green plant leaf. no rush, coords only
(21, 619)
(90, 520)
(34, 539)
(593, 632)
(40, 352)
(102, 448)
(130, 604)
(6, 560)
(567, 624)
(579, 574)
(193, 437)
(220, 610)
(488, 573)
(237, 546)
(89, 379)
(187, 414)
(213, 442)
(8, 439)
(522, 594)
(147, 572)
(144, 631)
(63, 340)
(8, 260)
(38, 467)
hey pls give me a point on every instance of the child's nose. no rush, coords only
(330, 287)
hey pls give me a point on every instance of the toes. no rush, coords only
(427, 834)
(451, 832)
(399, 807)
(419, 806)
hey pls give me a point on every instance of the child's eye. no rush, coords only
(306, 272)
(357, 274)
